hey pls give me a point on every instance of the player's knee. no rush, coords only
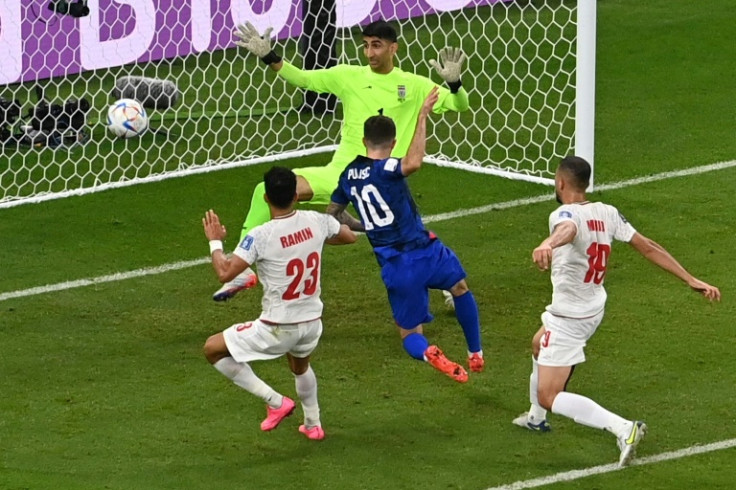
(303, 189)
(298, 365)
(460, 288)
(212, 350)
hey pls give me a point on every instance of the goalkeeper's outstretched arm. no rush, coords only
(260, 45)
(450, 68)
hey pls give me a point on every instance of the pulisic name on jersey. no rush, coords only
(363, 173)
(295, 238)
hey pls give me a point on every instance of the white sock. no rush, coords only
(587, 412)
(242, 375)
(306, 388)
(536, 412)
(228, 367)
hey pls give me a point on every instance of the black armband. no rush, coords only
(271, 58)
(454, 86)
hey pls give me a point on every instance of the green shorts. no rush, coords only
(322, 180)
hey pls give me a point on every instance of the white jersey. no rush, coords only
(578, 268)
(287, 252)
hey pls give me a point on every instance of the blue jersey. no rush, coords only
(379, 193)
(411, 258)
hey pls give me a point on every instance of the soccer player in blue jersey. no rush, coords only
(412, 259)
(376, 88)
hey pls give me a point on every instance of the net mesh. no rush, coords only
(230, 110)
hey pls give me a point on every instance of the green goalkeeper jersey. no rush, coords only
(363, 93)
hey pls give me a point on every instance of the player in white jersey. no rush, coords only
(577, 250)
(288, 252)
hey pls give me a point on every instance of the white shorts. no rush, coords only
(257, 341)
(564, 339)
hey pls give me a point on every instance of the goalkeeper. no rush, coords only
(365, 91)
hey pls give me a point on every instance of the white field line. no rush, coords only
(608, 468)
(120, 276)
(604, 187)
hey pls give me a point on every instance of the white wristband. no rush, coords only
(215, 245)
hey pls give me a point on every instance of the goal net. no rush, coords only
(61, 66)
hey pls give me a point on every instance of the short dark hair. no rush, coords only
(382, 30)
(379, 130)
(280, 185)
(578, 168)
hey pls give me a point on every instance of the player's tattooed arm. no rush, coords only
(339, 212)
(354, 224)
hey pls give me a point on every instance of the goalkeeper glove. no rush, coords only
(452, 64)
(255, 43)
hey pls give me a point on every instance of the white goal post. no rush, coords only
(530, 76)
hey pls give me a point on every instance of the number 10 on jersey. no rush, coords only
(365, 200)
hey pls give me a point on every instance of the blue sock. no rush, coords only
(466, 310)
(415, 344)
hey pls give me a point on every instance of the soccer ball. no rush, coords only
(127, 118)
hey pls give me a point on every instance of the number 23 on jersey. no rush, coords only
(305, 275)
